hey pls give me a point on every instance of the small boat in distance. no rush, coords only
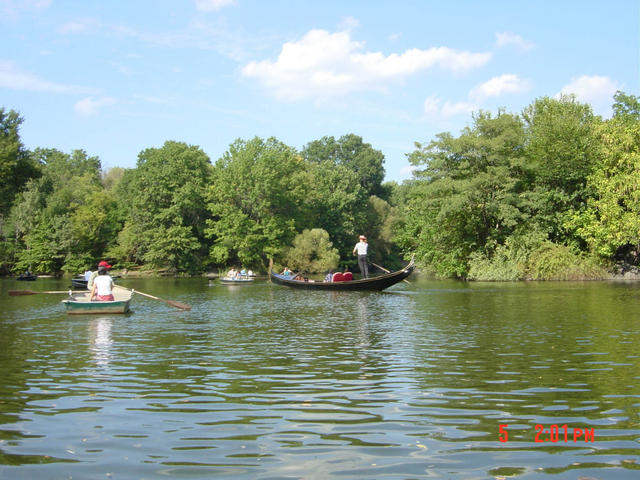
(378, 283)
(239, 280)
(27, 277)
(80, 303)
(79, 282)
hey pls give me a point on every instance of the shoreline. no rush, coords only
(626, 273)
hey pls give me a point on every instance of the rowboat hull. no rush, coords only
(378, 283)
(236, 281)
(79, 304)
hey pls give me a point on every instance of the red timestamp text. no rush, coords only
(554, 434)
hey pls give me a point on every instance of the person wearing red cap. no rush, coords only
(102, 288)
(361, 249)
(95, 274)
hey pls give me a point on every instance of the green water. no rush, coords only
(262, 382)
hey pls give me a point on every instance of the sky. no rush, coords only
(116, 77)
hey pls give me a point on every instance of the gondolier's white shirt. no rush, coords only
(361, 247)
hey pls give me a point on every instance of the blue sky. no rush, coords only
(116, 77)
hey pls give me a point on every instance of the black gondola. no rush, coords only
(374, 283)
(79, 282)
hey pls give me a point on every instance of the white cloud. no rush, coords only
(595, 90)
(213, 5)
(587, 88)
(324, 64)
(504, 39)
(13, 8)
(12, 77)
(79, 26)
(434, 108)
(507, 83)
(348, 23)
(90, 106)
(408, 170)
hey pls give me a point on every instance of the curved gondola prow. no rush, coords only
(372, 284)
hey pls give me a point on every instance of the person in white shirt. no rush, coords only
(361, 250)
(102, 289)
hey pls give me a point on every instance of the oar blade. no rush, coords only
(15, 293)
(180, 305)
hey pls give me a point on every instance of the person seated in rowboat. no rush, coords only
(87, 275)
(102, 289)
(287, 272)
(329, 276)
(233, 273)
(243, 273)
(95, 274)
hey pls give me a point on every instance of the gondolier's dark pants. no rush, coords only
(362, 263)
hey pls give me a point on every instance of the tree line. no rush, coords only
(550, 192)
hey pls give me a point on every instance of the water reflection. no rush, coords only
(100, 340)
(267, 382)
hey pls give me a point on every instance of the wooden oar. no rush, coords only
(173, 303)
(385, 270)
(14, 293)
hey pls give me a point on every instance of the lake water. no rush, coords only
(263, 382)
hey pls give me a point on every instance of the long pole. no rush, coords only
(385, 270)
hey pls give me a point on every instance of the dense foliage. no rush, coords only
(550, 193)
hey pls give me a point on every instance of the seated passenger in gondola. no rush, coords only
(329, 276)
(347, 275)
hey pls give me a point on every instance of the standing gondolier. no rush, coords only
(361, 250)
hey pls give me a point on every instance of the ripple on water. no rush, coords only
(267, 382)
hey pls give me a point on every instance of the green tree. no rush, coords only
(62, 221)
(312, 252)
(559, 156)
(335, 202)
(44, 248)
(626, 106)
(16, 166)
(611, 219)
(167, 210)
(466, 196)
(255, 200)
(350, 151)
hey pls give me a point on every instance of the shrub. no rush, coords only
(501, 267)
(557, 262)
